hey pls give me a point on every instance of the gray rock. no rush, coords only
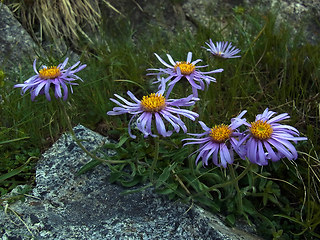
(176, 15)
(298, 14)
(65, 206)
(16, 45)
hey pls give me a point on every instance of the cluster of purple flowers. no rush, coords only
(264, 139)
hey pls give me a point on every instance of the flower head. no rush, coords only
(220, 142)
(267, 139)
(184, 69)
(222, 49)
(155, 106)
(55, 77)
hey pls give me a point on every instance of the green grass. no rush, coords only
(278, 69)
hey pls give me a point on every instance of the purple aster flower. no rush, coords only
(53, 77)
(220, 142)
(222, 49)
(267, 139)
(185, 69)
(158, 107)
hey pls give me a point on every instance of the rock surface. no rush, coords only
(176, 14)
(298, 14)
(16, 45)
(65, 206)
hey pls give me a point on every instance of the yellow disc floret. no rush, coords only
(153, 103)
(50, 72)
(220, 133)
(186, 68)
(261, 129)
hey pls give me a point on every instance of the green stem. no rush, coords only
(221, 185)
(93, 156)
(236, 185)
(156, 156)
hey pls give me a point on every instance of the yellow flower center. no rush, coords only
(153, 103)
(261, 129)
(186, 68)
(50, 72)
(220, 133)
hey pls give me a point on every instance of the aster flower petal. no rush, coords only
(58, 91)
(159, 107)
(189, 57)
(204, 126)
(144, 122)
(126, 101)
(192, 82)
(35, 66)
(184, 69)
(196, 140)
(63, 64)
(65, 91)
(167, 116)
(279, 118)
(261, 157)
(129, 127)
(252, 150)
(225, 155)
(74, 65)
(282, 127)
(197, 61)
(267, 139)
(210, 152)
(170, 60)
(177, 120)
(289, 146)
(48, 78)
(186, 102)
(187, 113)
(39, 88)
(214, 71)
(219, 141)
(273, 156)
(281, 148)
(148, 127)
(161, 126)
(163, 62)
(222, 49)
(46, 91)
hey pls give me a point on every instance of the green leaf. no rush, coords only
(277, 234)
(90, 165)
(164, 191)
(13, 140)
(131, 183)
(15, 171)
(136, 190)
(115, 176)
(169, 188)
(248, 207)
(122, 140)
(231, 219)
(262, 183)
(163, 177)
(210, 203)
(110, 145)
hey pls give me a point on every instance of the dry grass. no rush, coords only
(56, 19)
